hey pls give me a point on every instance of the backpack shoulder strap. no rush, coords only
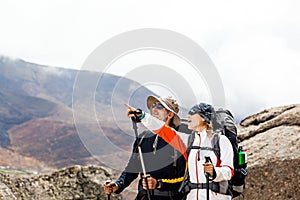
(190, 142)
(216, 144)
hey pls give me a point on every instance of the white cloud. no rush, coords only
(259, 67)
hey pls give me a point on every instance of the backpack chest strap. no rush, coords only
(204, 148)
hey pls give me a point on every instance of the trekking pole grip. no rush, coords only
(207, 160)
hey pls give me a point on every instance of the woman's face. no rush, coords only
(195, 122)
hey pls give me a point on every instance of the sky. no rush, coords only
(255, 45)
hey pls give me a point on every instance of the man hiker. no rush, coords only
(164, 165)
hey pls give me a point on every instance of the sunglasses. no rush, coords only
(193, 111)
(158, 106)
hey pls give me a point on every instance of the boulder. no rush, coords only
(76, 182)
(272, 140)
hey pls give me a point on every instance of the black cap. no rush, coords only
(204, 110)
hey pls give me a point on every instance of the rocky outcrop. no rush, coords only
(6, 193)
(272, 140)
(268, 119)
(75, 182)
(274, 180)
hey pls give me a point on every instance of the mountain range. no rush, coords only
(37, 125)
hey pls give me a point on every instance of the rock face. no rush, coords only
(68, 183)
(272, 140)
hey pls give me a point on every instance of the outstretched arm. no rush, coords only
(165, 132)
(161, 128)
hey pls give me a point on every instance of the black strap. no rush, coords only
(212, 186)
(204, 148)
(157, 192)
(216, 144)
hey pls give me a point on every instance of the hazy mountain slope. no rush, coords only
(9, 157)
(18, 108)
(55, 84)
(38, 105)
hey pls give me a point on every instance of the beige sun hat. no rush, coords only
(169, 103)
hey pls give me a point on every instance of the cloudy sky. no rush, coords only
(255, 45)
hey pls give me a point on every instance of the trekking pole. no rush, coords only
(141, 155)
(207, 159)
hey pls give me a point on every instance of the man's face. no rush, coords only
(158, 111)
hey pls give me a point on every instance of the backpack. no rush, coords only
(223, 123)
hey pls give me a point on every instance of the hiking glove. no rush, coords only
(138, 114)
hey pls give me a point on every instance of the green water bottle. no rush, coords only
(242, 156)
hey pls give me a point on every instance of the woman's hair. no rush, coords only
(209, 128)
